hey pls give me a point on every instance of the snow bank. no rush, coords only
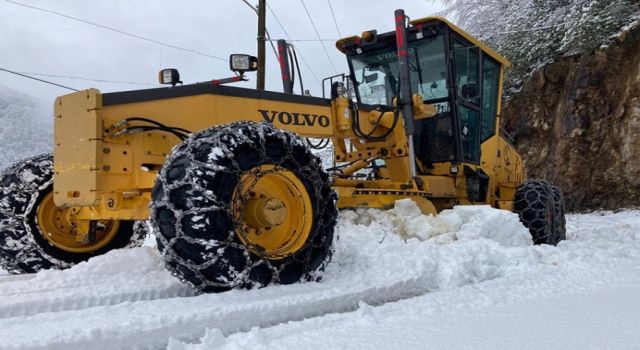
(462, 222)
(464, 245)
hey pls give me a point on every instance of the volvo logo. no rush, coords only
(301, 119)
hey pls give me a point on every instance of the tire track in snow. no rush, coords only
(149, 324)
(90, 284)
(15, 278)
(57, 300)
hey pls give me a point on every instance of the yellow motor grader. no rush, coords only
(226, 175)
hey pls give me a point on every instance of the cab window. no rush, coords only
(491, 77)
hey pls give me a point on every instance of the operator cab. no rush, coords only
(450, 70)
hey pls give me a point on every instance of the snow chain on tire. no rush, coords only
(559, 211)
(193, 214)
(541, 209)
(23, 249)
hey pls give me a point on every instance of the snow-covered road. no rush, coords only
(473, 280)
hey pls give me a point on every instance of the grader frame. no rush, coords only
(106, 173)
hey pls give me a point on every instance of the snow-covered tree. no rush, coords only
(533, 32)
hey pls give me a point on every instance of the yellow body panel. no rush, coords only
(77, 139)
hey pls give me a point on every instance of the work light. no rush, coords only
(169, 76)
(243, 63)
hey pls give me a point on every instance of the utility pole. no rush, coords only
(262, 18)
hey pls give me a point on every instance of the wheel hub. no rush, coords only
(60, 228)
(273, 211)
(265, 212)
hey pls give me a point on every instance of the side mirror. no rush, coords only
(243, 63)
(470, 91)
(169, 76)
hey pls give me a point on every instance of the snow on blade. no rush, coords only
(463, 222)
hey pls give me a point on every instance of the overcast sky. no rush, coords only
(35, 41)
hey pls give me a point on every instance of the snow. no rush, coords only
(567, 321)
(581, 295)
(27, 126)
(463, 222)
(216, 153)
(468, 278)
(130, 275)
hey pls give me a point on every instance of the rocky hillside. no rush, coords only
(576, 122)
(25, 126)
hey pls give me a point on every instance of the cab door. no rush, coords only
(467, 80)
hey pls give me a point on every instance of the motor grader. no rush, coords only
(227, 179)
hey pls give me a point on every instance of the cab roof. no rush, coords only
(342, 43)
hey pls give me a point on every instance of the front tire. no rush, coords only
(241, 206)
(30, 237)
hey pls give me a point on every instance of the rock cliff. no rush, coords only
(576, 122)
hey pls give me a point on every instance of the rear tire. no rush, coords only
(196, 220)
(541, 209)
(23, 247)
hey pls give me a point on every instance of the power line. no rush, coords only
(279, 23)
(318, 35)
(275, 52)
(37, 79)
(335, 21)
(87, 79)
(252, 7)
(289, 37)
(118, 31)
